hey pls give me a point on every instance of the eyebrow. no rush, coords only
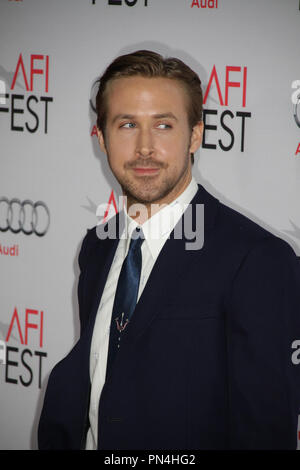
(154, 116)
(164, 116)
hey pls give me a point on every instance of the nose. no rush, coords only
(144, 145)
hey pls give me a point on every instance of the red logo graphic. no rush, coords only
(228, 84)
(33, 71)
(12, 250)
(204, 4)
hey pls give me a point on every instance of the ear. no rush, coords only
(196, 138)
(101, 140)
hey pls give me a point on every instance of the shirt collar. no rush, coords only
(158, 228)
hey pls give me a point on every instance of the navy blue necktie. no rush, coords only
(126, 295)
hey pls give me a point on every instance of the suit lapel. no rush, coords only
(173, 260)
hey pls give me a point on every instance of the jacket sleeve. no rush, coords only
(63, 416)
(263, 321)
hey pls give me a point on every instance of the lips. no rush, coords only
(145, 171)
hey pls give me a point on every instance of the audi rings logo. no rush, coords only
(27, 217)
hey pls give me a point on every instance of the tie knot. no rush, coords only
(137, 238)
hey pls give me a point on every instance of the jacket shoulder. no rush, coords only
(96, 237)
(239, 225)
(235, 235)
(243, 235)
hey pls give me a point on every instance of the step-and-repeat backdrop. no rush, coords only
(53, 175)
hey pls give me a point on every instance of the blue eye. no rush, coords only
(164, 126)
(128, 125)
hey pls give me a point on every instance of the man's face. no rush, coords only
(148, 140)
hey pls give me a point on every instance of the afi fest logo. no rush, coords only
(231, 123)
(296, 107)
(26, 105)
(23, 364)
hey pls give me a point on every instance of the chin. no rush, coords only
(147, 197)
(146, 192)
(144, 197)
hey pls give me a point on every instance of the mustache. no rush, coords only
(145, 164)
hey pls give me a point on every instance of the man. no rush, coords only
(182, 346)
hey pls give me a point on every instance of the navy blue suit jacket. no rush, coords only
(206, 361)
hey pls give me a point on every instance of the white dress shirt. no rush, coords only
(156, 231)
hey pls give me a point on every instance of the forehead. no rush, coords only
(146, 95)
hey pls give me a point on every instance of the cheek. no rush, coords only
(174, 149)
(119, 149)
(123, 147)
